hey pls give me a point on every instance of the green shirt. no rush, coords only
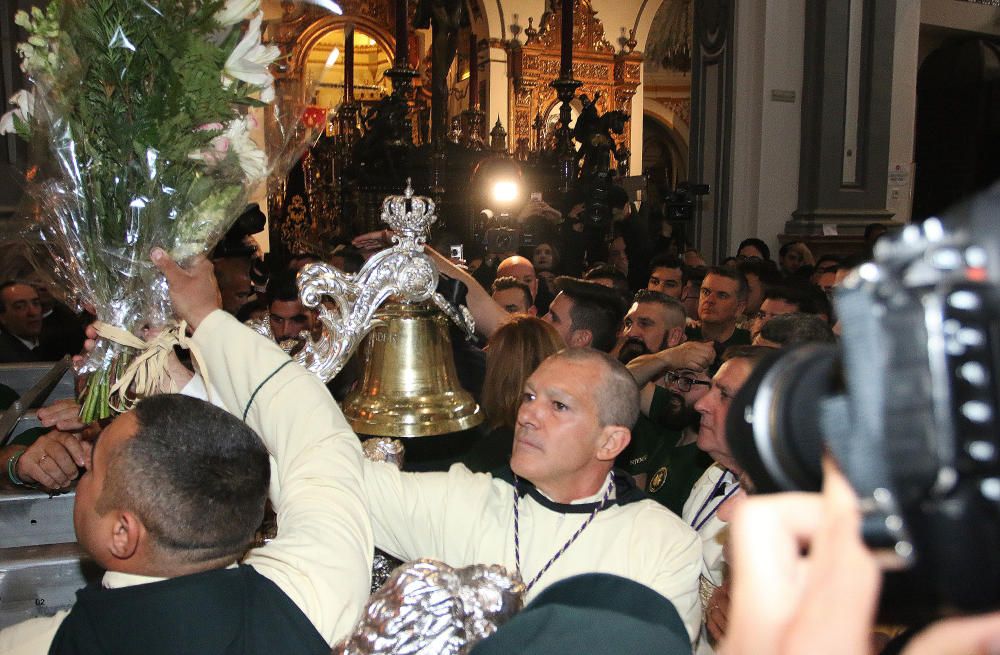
(671, 470)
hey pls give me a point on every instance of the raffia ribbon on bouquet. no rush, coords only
(148, 374)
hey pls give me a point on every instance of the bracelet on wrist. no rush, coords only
(12, 470)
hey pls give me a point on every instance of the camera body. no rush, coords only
(908, 406)
(502, 240)
(502, 234)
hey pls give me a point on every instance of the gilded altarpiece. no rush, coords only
(533, 65)
(308, 211)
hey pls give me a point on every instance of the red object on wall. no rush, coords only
(314, 116)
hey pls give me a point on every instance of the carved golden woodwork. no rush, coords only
(595, 63)
(301, 26)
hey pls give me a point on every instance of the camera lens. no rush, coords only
(773, 426)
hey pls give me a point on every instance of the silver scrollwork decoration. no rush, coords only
(403, 271)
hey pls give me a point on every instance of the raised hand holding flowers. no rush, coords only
(143, 113)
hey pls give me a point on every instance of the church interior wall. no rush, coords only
(765, 196)
(964, 16)
(899, 197)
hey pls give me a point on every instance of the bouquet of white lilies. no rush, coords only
(143, 131)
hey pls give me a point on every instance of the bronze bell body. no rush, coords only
(410, 387)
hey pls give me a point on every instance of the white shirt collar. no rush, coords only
(30, 344)
(118, 579)
(593, 498)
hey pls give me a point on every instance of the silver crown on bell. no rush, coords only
(408, 215)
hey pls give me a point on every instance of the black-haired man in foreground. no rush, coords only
(175, 489)
(585, 314)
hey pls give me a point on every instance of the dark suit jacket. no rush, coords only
(13, 351)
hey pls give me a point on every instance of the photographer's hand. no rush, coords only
(803, 581)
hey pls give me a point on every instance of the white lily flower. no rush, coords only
(252, 159)
(235, 11)
(250, 59)
(24, 106)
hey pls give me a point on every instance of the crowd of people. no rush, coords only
(605, 377)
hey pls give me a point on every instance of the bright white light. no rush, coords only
(329, 5)
(505, 191)
(371, 41)
(332, 59)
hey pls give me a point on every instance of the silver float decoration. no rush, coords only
(429, 608)
(404, 271)
(384, 449)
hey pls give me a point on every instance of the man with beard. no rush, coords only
(665, 460)
(662, 458)
(654, 322)
(287, 315)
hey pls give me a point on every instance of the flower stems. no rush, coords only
(94, 401)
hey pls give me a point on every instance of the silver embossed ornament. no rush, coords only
(403, 271)
(429, 608)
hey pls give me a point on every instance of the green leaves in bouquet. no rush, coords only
(148, 94)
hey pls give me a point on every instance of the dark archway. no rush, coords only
(664, 159)
(957, 124)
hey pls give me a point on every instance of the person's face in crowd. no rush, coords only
(543, 257)
(719, 302)
(22, 311)
(646, 329)
(755, 293)
(558, 433)
(559, 317)
(691, 296)
(233, 275)
(826, 281)
(96, 525)
(289, 318)
(617, 256)
(685, 387)
(714, 406)
(770, 308)
(513, 301)
(666, 280)
(521, 269)
(792, 260)
(749, 252)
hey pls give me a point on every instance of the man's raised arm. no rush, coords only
(321, 556)
(645, 368)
